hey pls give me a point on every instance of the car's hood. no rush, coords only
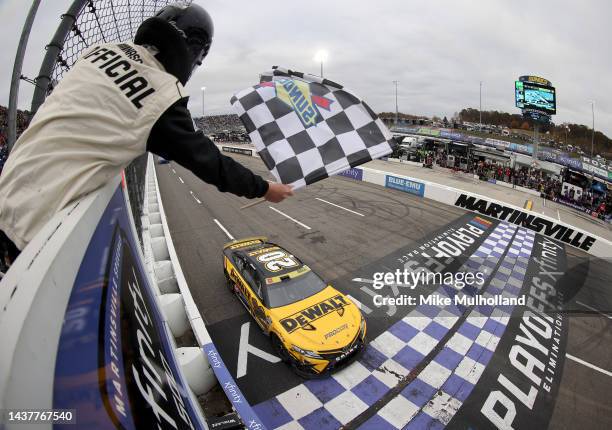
(326, 321)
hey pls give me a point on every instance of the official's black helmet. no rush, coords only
(183, 34)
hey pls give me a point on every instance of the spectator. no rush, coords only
(23, 120)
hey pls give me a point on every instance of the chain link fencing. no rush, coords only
(102, 21)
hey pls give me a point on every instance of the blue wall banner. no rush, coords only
(115, 363)
(353, 173)
(405, 185)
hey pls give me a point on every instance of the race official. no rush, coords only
(117, 102)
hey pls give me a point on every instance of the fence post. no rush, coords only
(54, 48)
(16, 78)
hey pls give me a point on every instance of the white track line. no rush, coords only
(227, 233)
(593, 309)
(587, 364)
(367, 281)
(558, 215)
(338, 206)
(181, 179)
(173, 171)
(196, 199)
(360, 305)
(292, 219)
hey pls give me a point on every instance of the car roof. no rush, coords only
(251, 253)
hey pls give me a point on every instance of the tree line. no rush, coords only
(576, 134)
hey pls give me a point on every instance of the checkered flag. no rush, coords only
(306, 128)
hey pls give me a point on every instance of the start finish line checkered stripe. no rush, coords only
(330, 403)
(433, 398)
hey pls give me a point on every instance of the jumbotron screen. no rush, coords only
(531, 96)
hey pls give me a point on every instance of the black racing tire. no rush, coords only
(279, 348)
(228, 282)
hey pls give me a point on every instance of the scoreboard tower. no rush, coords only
(537, 99)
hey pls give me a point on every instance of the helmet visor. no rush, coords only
(198, 49)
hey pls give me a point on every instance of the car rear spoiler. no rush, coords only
(247, 241)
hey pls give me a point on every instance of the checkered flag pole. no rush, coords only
(306, 128)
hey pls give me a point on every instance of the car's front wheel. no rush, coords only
(229, 282)
(279, 348)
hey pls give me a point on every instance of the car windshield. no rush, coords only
(293, 290)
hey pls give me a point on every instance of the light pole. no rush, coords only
(396, 109)
(320, 57)
(480, 109)
(593, 130)
(17, 69)
(203, 89)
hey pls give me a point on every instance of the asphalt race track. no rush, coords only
(427, 366)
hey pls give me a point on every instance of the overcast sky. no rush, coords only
(437, 50)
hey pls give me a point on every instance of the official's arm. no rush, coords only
(174, 138)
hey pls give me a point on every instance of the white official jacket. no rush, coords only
(96, 121)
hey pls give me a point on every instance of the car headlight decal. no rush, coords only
(305, 352)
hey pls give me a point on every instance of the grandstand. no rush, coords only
(21, 123)
(223, 128)
(23, 119)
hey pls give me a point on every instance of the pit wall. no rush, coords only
(547, 226)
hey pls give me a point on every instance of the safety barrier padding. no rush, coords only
(173, 293)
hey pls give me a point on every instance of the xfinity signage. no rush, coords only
(352, 173)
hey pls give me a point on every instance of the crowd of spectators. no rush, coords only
(223, 128)
(549, 186)
(596, 204)
(23, 119)
(522, 176)
(230, 137)
(219, 123)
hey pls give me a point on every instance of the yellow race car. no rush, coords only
(311, 325)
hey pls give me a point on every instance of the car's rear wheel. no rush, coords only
(279, 348)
